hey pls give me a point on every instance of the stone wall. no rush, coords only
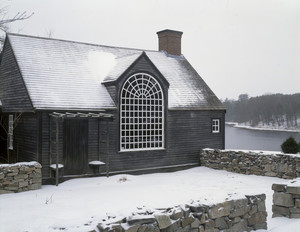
(286, 201)
(274, 164)
(20, 177)
(244, 214)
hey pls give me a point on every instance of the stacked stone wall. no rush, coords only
(20, 177)
(275, 164)
(286, 201)
(244, 214)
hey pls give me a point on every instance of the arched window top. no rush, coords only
(142, 113)
(142, 85)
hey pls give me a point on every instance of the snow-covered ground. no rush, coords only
(263, 127)
(79, 204)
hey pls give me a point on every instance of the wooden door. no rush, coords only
(75, 146)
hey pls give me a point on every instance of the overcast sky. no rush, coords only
(237, 46)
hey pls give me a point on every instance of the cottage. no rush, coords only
(88, 109)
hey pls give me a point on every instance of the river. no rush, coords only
(238, 138)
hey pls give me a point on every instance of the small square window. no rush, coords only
(215, 125)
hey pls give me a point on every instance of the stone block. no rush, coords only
(283, 199)
(2, 176)
(290, 175)
(220, 210)
(295, 215)
(297, 196)
(187, 221)
(21, 176)
(293, 189)
(241, 226)
(261, 206)
(221, 223)
(260, 226)
(294, 210)
(176, 214)
(209, 224)
(297, 203)
(212, 230)
(163, 221)
(23, 184)
(271, 174)
(12, 188)
(201, 216)
(257, 218)
(236, 220)
(29, 170)
(240, 208)
(140, 219)
(194, 230)
(195, 224)
(12, 174)
(253, 210)
(2, 191)
(201, 228)
(184, 229)
(280, 210)
(114, 228)
(279, 187)
(150, 228)
(268, 168)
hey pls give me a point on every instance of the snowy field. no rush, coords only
(79, 204)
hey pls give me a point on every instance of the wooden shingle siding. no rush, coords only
(13, 93)
(25, 138)
(45, 147)
(190, 131)
(186, 133)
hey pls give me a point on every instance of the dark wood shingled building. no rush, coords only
(86, 106)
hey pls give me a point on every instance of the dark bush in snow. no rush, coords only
(290, 146)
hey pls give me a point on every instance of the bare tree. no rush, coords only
(5, 21)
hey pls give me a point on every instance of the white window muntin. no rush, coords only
(216, 126)
(141, 114)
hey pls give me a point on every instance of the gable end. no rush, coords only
(141, 65)
(13, 92)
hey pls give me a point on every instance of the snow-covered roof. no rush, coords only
(61, 74)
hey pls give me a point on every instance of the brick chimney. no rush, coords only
(170, 41)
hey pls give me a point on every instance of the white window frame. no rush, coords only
(141, 114)
(215, 125)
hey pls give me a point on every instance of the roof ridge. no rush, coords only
(79, 42)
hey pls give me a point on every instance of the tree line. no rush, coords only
(273, 110)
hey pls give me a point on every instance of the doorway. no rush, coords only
(75, 146)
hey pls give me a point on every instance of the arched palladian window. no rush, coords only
(142, 114)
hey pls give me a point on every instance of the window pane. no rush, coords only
(141, 113)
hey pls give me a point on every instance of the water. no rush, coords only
(238, 138)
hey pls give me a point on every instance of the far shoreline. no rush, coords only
(237, 125)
